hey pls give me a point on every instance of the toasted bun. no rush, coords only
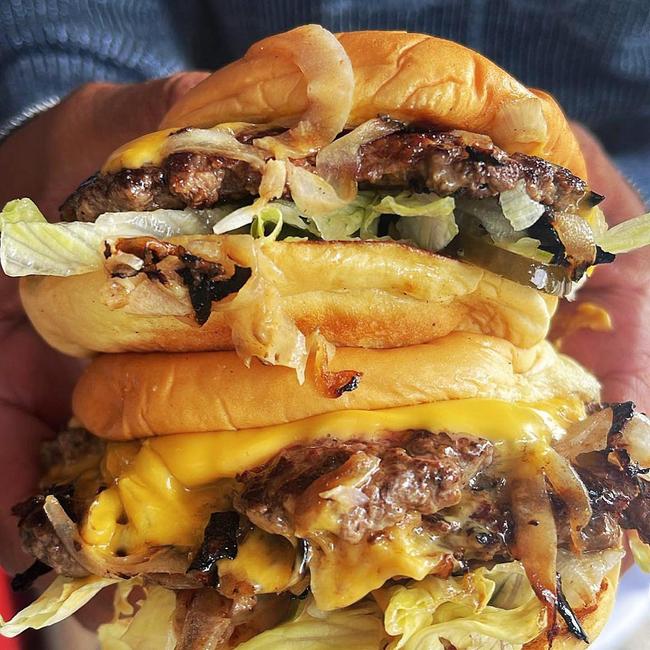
(369, 294)
(592, 618)
(411, 77)
(137, 395)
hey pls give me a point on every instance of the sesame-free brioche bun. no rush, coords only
(127, 396)
(592, 618)
(411, 77)
(373, 294)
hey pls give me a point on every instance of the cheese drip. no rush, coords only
(163, 490)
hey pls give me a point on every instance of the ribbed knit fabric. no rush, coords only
(593, 55)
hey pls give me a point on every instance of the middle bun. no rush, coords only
(373, 294)
(127, 396)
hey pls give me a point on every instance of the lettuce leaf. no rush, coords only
(148, 628)
(626, 236)
(357, 216)
(357, 627)
(61, 599)
(640, 551)
(518, 208)
(30, 245)
(487, 608)
(430, 223)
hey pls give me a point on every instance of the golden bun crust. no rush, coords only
(138, 395)
(592, 618)
(411, 77)
(367, 294)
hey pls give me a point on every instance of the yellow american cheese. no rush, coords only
(146, 150)
(162, 490)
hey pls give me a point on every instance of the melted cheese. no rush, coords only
(162, 490)
(146, 150)
(342, 573)
(199, 458)
(265, 561)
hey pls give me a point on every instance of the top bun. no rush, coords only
(410, 77)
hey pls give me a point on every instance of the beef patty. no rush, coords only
(447, 163)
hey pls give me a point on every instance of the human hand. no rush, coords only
(45, 160)
(619, 358)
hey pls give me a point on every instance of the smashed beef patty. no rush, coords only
(447, 163)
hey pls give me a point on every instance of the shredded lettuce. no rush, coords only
(61, 599)
(518, 208)
(626, 236)
(31, 246)
(640, 551)
(149, 628)
(487, 608)
(430, 223)
(357, 627)
(356, 217)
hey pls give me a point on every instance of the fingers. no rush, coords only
(48, 157)
(621, 199)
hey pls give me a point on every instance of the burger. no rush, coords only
(322, 410)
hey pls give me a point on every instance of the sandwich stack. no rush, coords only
(322, 411)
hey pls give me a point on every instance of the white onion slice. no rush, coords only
(536, 538)
(330, 86)
(313, 195)
(337, 163)
(568, 486)
(164, 560)
(216, 141)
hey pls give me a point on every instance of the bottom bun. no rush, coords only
(592, 618)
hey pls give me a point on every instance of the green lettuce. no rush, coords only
(148, 628)
(61, 599)
(626, 236)
(31, 246)
(428, 219)
(640, 551)
(487, 608)
(357, 627)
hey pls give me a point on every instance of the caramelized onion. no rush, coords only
(338, 162)
(577, 238)
(215, 141)
(568, 486)
(313, 195)
(160, 561)
(330, 86)
(536, 539)
(330, 383)
(617, 427)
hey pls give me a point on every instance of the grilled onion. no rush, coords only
(330, 86)
(338, 162)
(567, 485)
(159, 561)
(215, 141)
(536, 539)
(615, 427)
(313, 195)
(577, 238)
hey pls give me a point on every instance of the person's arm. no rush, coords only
(45, 159)
(619, 358)
(50, 47)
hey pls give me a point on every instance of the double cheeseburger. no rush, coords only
(324, 413)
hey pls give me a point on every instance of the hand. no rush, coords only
(620, 358)
(45, 160)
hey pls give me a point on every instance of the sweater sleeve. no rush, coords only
(49, 47)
